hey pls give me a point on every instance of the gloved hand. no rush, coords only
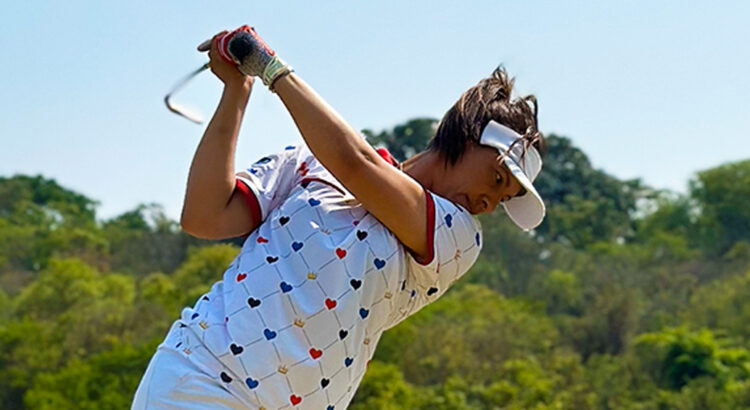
(251, 54)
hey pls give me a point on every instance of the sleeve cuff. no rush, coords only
(430, 231)
(250, 198)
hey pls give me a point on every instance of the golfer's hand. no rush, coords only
(226, 71)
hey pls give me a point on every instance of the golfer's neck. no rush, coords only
(422, 168)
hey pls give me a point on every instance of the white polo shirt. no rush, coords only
(298, 314)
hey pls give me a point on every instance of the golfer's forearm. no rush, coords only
(211, 179)
(330, 138)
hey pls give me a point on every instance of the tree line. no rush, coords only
(625, 297)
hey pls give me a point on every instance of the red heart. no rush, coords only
(340, 253)
(295, 399)
(241, 276)
(330, 304)
(355, 222)
(262, 240)
(303, 168)
(315, 353)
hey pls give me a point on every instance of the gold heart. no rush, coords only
(388, 295)
(203, 324)
(186, 350)
(366, 341)
(311, 275)
(299, 322)
(283, 369)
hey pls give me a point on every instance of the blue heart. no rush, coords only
(289, 147)
(194, 315)
(363, 312)
(251, 383)
(348, 361)
(413, 292)
(285, 287)
(269, 334)
(449, 220)
(297, 246)
(379, 263)
(477, 238)
(253, 171)
(263, 160)
(329, 408)
(313, 202)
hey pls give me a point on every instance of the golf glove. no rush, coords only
(252, 55)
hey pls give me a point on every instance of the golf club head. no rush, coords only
(180, 109)
(183, 111)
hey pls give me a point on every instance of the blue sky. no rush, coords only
(656, 90)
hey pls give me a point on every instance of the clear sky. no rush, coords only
(656, 90)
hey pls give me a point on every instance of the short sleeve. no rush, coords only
(456, 243)
(268, 181)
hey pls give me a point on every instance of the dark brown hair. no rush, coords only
(488, 100)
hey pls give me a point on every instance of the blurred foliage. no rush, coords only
(625, 297)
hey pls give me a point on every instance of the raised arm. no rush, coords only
(393, 197)
(213, 208)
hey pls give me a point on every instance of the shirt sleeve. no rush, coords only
(455, 243)
(268, 182)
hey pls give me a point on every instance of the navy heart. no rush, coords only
(379, 263)
(329, 408)
(236, 349)
(297, 246)
(356, 283)
(313, 202)
(271, 259)
(253, 302)
(263, 160)
(413, 292)
(285, 287)
(449, 220)
(403, 285)
(343, 333)
(251, 383)
(431, 291)
(194, 315)
(269, 334)
(283, 220)
(477, 238)
(253, 171)
(178, 345)
(324, 382)
(361, 235)
(225, 377)
(348, 361)
(363, 312)
(205, 297)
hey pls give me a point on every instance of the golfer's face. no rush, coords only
(480, 181)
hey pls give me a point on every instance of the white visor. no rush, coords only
(528, 210)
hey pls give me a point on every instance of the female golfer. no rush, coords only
(343, 242)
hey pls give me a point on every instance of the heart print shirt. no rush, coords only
(297, 316)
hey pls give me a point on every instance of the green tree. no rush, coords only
(722, 194)
(406, 139)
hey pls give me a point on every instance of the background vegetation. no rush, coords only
(625, 297)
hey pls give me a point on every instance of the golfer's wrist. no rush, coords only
(238, 89)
